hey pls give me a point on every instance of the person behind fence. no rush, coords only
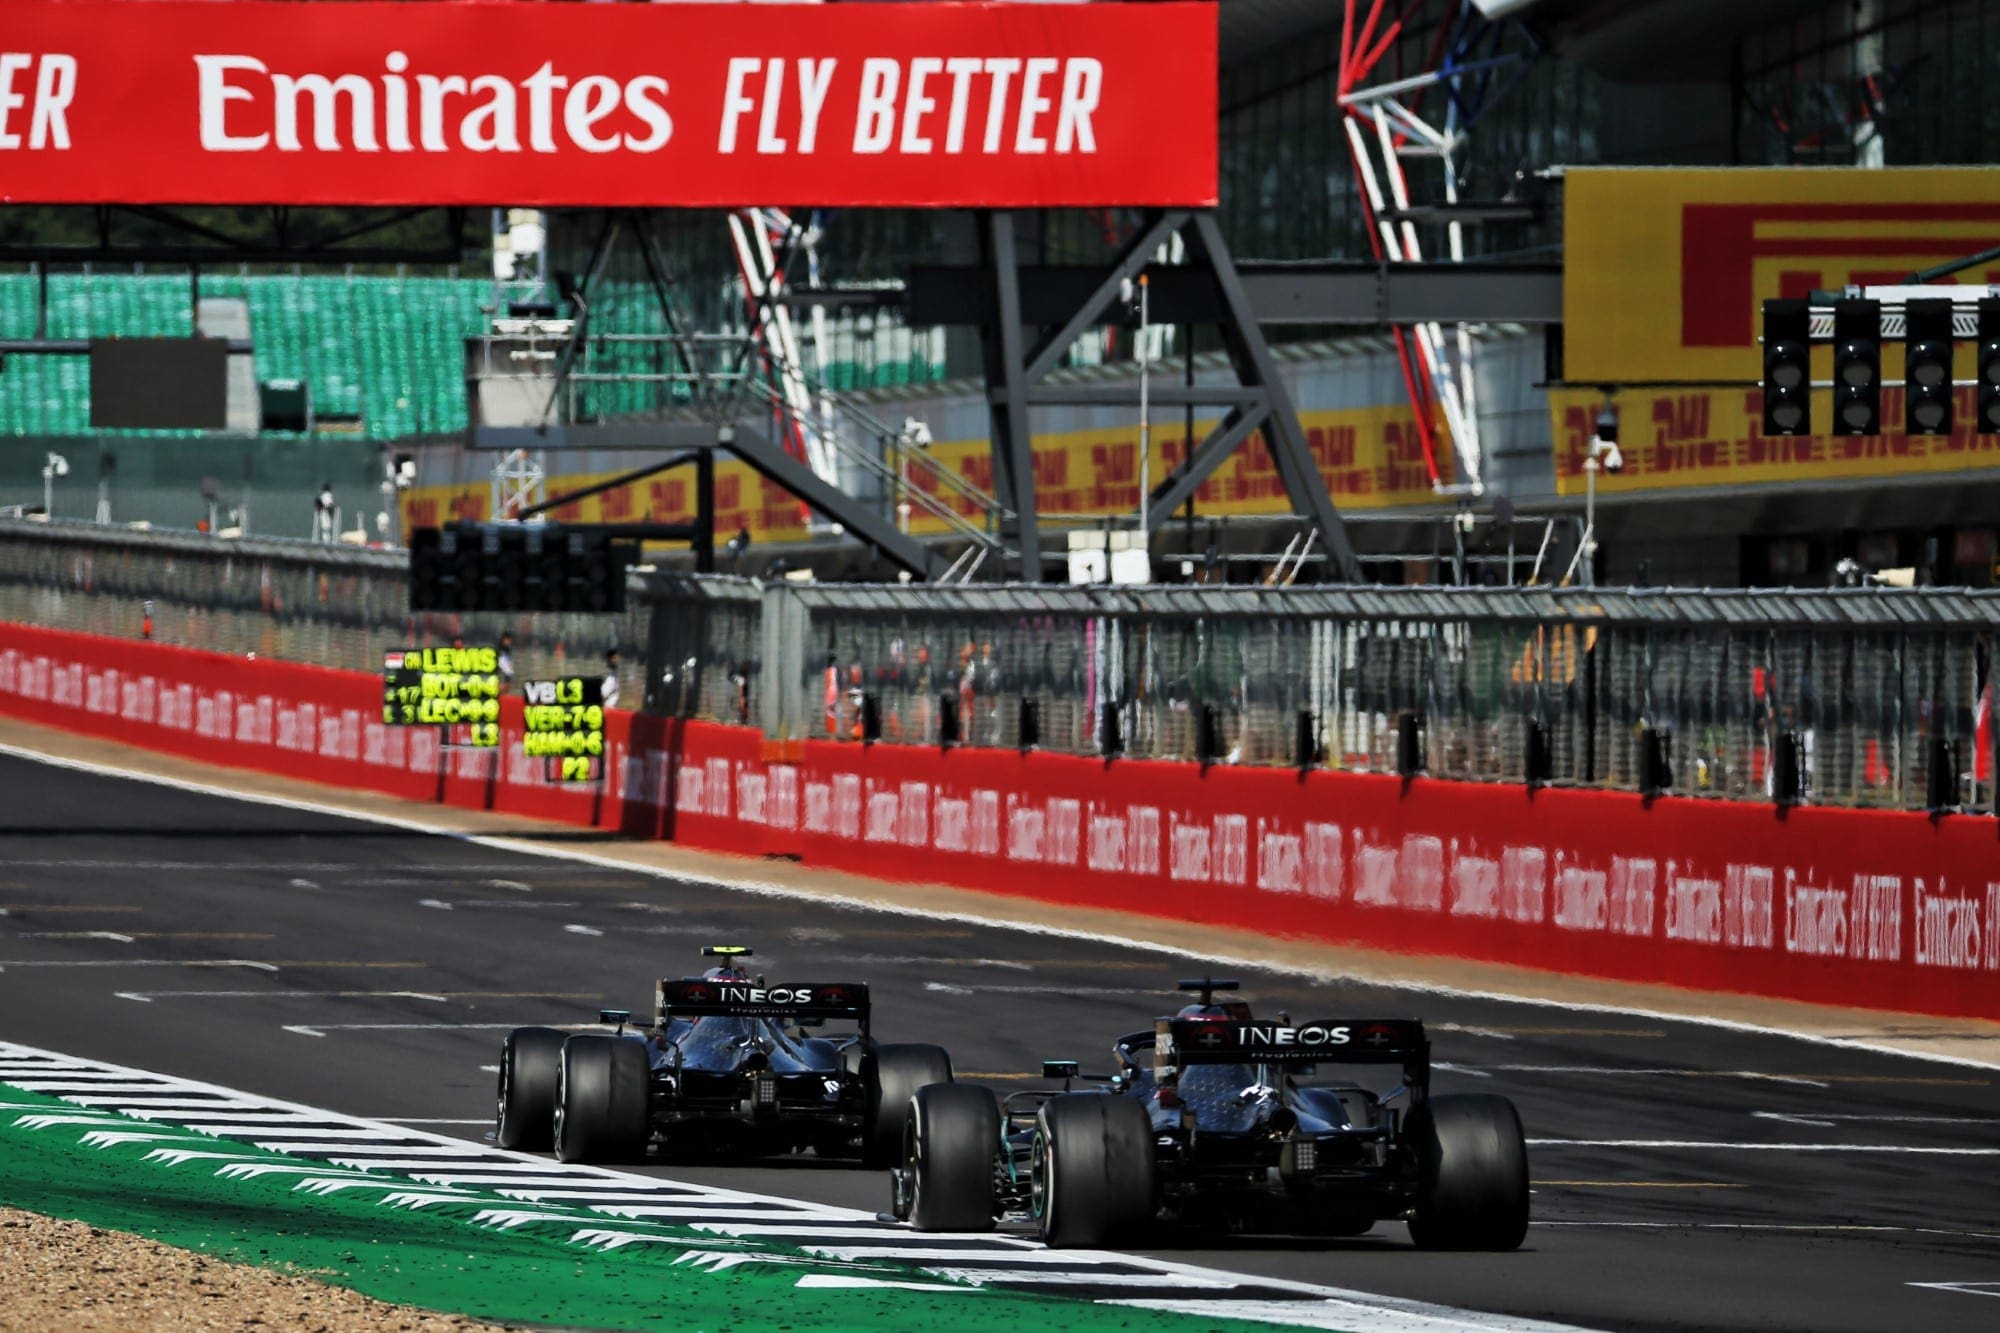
(506, 657)
(609, 690)
(323, 513)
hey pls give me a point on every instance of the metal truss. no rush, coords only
(1257, 404)
(153, 234)
(1473, 68)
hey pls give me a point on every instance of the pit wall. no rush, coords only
(1879, 909)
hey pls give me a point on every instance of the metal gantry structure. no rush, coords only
(753, 394)
(1475, 61)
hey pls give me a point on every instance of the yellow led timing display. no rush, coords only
(564, 720)
(444, 687)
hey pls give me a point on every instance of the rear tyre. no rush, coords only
(1472, 1165)
(950, 1143)
(891, 1076)
(601, 1100)
(530, 1068)
(1091, 1169)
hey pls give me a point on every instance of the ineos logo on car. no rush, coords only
(1312, 1035)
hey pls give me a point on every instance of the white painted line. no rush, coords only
(321, 1029)
(1081, 1278)
(1777, 1226)
(1040, 990)
(136, 962)
(438, 903)
(851, 1282)
(418, 1120)
(148, 996)
(1962, 1288)
(1621, 1071)
(763, 888)
(1818, 1118)
(583, 930)
(901, 960)
(513, 884)
(1026, 1254)
(1705, 1145)
(694, 1210)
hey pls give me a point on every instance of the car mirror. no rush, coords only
(1059, 1069)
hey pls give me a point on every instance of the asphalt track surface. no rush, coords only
(1686, 1176)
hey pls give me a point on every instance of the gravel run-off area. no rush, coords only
(61, 1275)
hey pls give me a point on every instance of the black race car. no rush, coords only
(729, 1064)
(1211, 1120)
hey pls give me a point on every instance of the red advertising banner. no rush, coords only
(1874, 909)
(692, 105)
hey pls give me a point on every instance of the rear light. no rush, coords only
(1305, 1156)
(767, 1092)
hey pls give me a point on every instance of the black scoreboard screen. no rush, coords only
(444, 687)
(564, 720)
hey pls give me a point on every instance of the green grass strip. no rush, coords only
(220, 1197)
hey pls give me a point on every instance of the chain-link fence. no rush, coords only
(305, 602)
(1861, 698)
(1875, 697)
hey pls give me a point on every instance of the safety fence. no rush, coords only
(331, 605)
(1850, 697)
(1876, 697)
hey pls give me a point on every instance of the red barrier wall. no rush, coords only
(1887, 910)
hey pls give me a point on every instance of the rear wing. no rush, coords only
(1179, 1042)
(797, 1001)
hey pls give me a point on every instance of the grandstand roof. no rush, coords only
(1646, 41)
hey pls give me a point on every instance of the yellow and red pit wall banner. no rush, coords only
(1369, 458)
(1665, 275)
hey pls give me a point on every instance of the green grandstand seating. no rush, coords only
(390, 349)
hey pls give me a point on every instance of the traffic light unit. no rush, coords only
(1857, 367)
(1787, 368)
(1930, 330)
(1989, 366)
(1927, 359)
(518, 567)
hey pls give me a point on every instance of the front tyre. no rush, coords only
(1472, 1170)
(1091, 1169)
(890, 1076)
(530, 1068)
(601, 1099)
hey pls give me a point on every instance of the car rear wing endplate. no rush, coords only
(703, 998)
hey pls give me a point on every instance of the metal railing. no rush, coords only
(300, 601)
(1849, 697)
(1876, 697)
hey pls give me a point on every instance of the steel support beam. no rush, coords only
(1007, 384)
(1312, 292)
(621, 480)
(1125, 395)
(1228, 435)
(770, 460)
(1089, 311)
(1282, 432)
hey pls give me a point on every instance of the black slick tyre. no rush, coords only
(601, 1100)
(950, 1145)
(1092, 1177)
(1472, 1170)
(891, 1075)
(530, 1066)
